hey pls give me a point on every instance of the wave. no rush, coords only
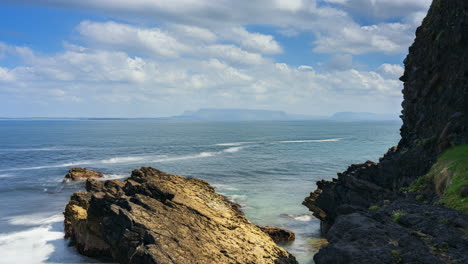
(5, 175)
(311, 140)
(300, 217)
(123, 160)
(224, 187)
(115, 176)
(34, 241)
(233, 149)
(35, 219)
(131, 160)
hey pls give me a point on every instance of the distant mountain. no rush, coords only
(236, 114)
(362, 116)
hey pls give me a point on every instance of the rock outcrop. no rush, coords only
(435, 118)
(75, 174)
(155, 217)
(278, 234)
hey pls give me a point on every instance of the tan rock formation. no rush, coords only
(155, 217)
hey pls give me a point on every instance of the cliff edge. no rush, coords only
(375, 212)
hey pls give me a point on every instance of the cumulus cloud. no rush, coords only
(389, 38)
(6, 75)
(391, 71)
(91, 75)
(331, 21)
(121, 36)
(383, 9)
(252, 41)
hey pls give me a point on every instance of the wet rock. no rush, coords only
(155, 217)
(278, 234)
(75, 174)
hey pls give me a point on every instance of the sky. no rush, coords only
(154, 58)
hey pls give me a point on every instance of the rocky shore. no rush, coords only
(155, 217)
(378, 212)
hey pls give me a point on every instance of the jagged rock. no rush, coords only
(435, 118)
(75, 174)
(155, 217)
(278, 234)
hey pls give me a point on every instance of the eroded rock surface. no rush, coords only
(75, 174)
(155, 217)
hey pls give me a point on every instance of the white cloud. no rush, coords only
(232, 54)
(153, 42)
(253, 41)
(305, 68)
(331, 21)
(86, 76)
(194, 32)
(389, 38)
(6, 75)
(383, 9)
(391, 71)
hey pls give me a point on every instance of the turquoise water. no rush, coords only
(268, 167)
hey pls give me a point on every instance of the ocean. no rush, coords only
(267, 167)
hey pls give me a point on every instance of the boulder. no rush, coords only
(155, 217)
(278, 234)
(75, 174)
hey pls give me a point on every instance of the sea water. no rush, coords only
(267, 167)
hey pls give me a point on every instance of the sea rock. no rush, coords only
(435, 118)
(278, 234)
(155, 217)
(75, 174)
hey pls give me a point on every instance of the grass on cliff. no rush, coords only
(446, 177)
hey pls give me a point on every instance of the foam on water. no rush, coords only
(123, 160)
(131, 160)
(29, 246)
(300, 217)
(233, 149)
(35, 219)
(311, 140)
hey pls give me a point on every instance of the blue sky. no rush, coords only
(149, 58)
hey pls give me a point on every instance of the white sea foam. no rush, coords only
(233, 149)
(301, 217)
(5, 175)
(115, 176)
(311, 140)
(28, 246)
(35, 219)
(237, 198)
(224, 187)
(123, 160)
(131, 160)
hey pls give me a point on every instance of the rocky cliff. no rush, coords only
(400, 228)
(155, 217)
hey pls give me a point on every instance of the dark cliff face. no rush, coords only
(435, 118)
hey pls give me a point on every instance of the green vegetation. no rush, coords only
(374, 208)
(396, 256)
(420, 197)
(396, 215)
(446, 177)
